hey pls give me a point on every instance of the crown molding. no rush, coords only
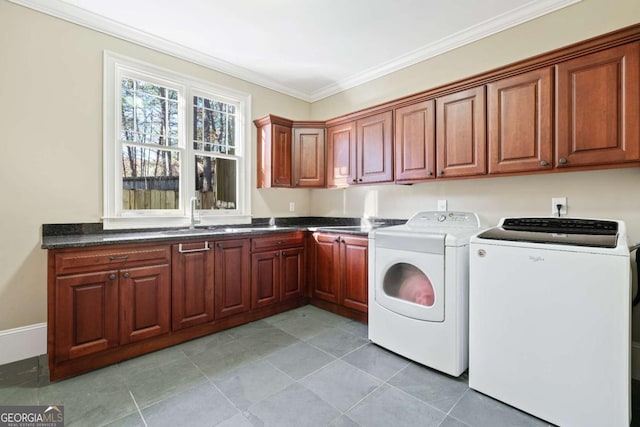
(82, 17)
(527, 12)
(79, 16)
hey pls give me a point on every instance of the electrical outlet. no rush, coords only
(442, 205)
(562, 201)
(292, 207)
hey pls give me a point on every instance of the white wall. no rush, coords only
(598, 194)
(51, 144)
(575, 23)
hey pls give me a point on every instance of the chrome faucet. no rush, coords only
(193, 203)
(272, 222)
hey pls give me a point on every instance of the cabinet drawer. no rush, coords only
(96, 259)
(277, 241)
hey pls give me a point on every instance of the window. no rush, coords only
(169, 138)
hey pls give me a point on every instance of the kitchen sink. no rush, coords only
(187, 231)
(218, 230)
(250, 229)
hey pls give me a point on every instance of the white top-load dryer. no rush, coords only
(550, 302)
(418, 287)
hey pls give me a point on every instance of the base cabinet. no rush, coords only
(86, 315)
(108, 304)
(231, 278)
(277, 269)
(355, 257)
(145, 303)
(103, 298)
(339, 271)
(191, 284)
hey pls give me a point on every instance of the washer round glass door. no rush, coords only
(410, 283)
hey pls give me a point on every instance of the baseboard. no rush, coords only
(635, 360)
(23, 343)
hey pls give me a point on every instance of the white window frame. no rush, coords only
(114, 217)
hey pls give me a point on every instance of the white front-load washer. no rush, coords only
(418, 288)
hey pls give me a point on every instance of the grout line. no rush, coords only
(382, 383)
(318, 370)
(210, 381)
(458, 401)
(417, 399)
(138, 408)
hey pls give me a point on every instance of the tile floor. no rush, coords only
(305, 367)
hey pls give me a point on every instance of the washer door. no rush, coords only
(410, 283)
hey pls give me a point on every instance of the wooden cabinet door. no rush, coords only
(460, 133)
(86, 316)
(520, 122)
(231, 278)
(326, 267)
(415, 147)
(374, 148)
(308, 157)
(191, 285)
(292, 273)
(145, 303)
(341, 155)
(354, 272)
(265, 278)
(281, 156)
(597, 108)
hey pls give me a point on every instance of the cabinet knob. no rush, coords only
(562, 161)
(429, 173)
(353, 180)
(277, 181)
(360, 179)
(219, 245)
(337, 240)
(544, 163)
(277, 254)
(126, 275)
(112, 277)
(284, 253)
(441, 173)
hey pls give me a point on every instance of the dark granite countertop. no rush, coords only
(56, 236)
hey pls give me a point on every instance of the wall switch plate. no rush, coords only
(292, 207)
(442, 205)
(562, 201)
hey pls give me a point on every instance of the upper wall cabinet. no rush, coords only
(374, 149)
(598, 108)
(575, 108)
(415, 147)
(360, 152)
(274, 152)
(460, 133)
(520, 122)
(308, 157)
(341, 155)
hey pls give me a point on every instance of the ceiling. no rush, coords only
(304, 48)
